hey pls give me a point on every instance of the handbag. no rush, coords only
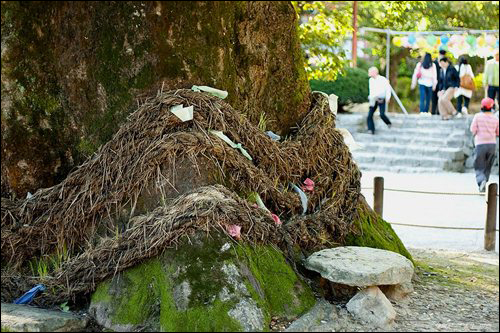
(419, 72)
(467, 82)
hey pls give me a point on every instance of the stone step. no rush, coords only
(397, 169)
(405, 139)
(417, 151)
(462, 123)
(414, 143)
(429, 133)
(407, 124)
(405, 161)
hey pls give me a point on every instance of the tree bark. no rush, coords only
(393, 71)
(72, 72)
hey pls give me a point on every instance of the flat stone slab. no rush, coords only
(24, 318)
(361, 266)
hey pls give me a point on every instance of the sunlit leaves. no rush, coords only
(322, 33)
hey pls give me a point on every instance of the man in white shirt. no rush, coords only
(380, 93)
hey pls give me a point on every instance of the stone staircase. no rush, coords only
(414, 143)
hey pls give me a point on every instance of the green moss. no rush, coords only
(142, 282)
(373, 231)
(285, 294)
(460, 274)
(101, 293)
(5, 329)
(212, 318)
(149, 287)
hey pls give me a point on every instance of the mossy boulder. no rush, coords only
(207, 284)
(370, 230)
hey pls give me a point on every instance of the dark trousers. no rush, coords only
(371, 124)
(434, 102)
(463, 99)
(425, 97)
(484, 158)
(492, 92)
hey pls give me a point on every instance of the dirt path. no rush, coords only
(454, 291)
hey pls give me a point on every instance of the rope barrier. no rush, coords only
(428, 192)
(437, 227)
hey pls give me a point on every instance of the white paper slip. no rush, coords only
(183, 113)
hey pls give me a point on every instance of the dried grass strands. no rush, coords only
(153, 140)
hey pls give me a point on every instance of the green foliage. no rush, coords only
(425, 16)
(392, 15)
(322, 32)
(64, 307)
(406, 67)
(39, 268)
(448, 15)
(351, 87)
(410, 98)
(43, 266)
(403, 89)
(262, 122)
(478, 80)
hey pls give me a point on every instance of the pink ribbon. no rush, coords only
(308, 185)
(234, 230)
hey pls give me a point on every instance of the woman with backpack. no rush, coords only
(464, 93)
(425, 75)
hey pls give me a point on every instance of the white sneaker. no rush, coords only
(464, 110)
(459, 115)
(482, 186)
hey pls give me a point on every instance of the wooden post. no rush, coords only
(378, 195)
(491, 218)
(354, 34)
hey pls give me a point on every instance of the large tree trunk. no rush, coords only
(71, 72)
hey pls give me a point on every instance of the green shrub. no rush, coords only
(478, 81)
(408, 97)
(406, 67)
(351, 87)
(403, 89)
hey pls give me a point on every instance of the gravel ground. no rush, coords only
(454, 291)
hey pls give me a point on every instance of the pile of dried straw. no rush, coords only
(143, 156)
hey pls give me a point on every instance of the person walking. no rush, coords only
(426, 75)
(464, 93)
(485, 129)
(442, 53)
(490, 78)
(448, 83)
(380, 93)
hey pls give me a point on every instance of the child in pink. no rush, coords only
(485, 129)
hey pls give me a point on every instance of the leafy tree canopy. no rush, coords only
(325, 25)
(322, 32)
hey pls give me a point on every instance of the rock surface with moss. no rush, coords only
(370, 230)
(207, 284)
(68, 84)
